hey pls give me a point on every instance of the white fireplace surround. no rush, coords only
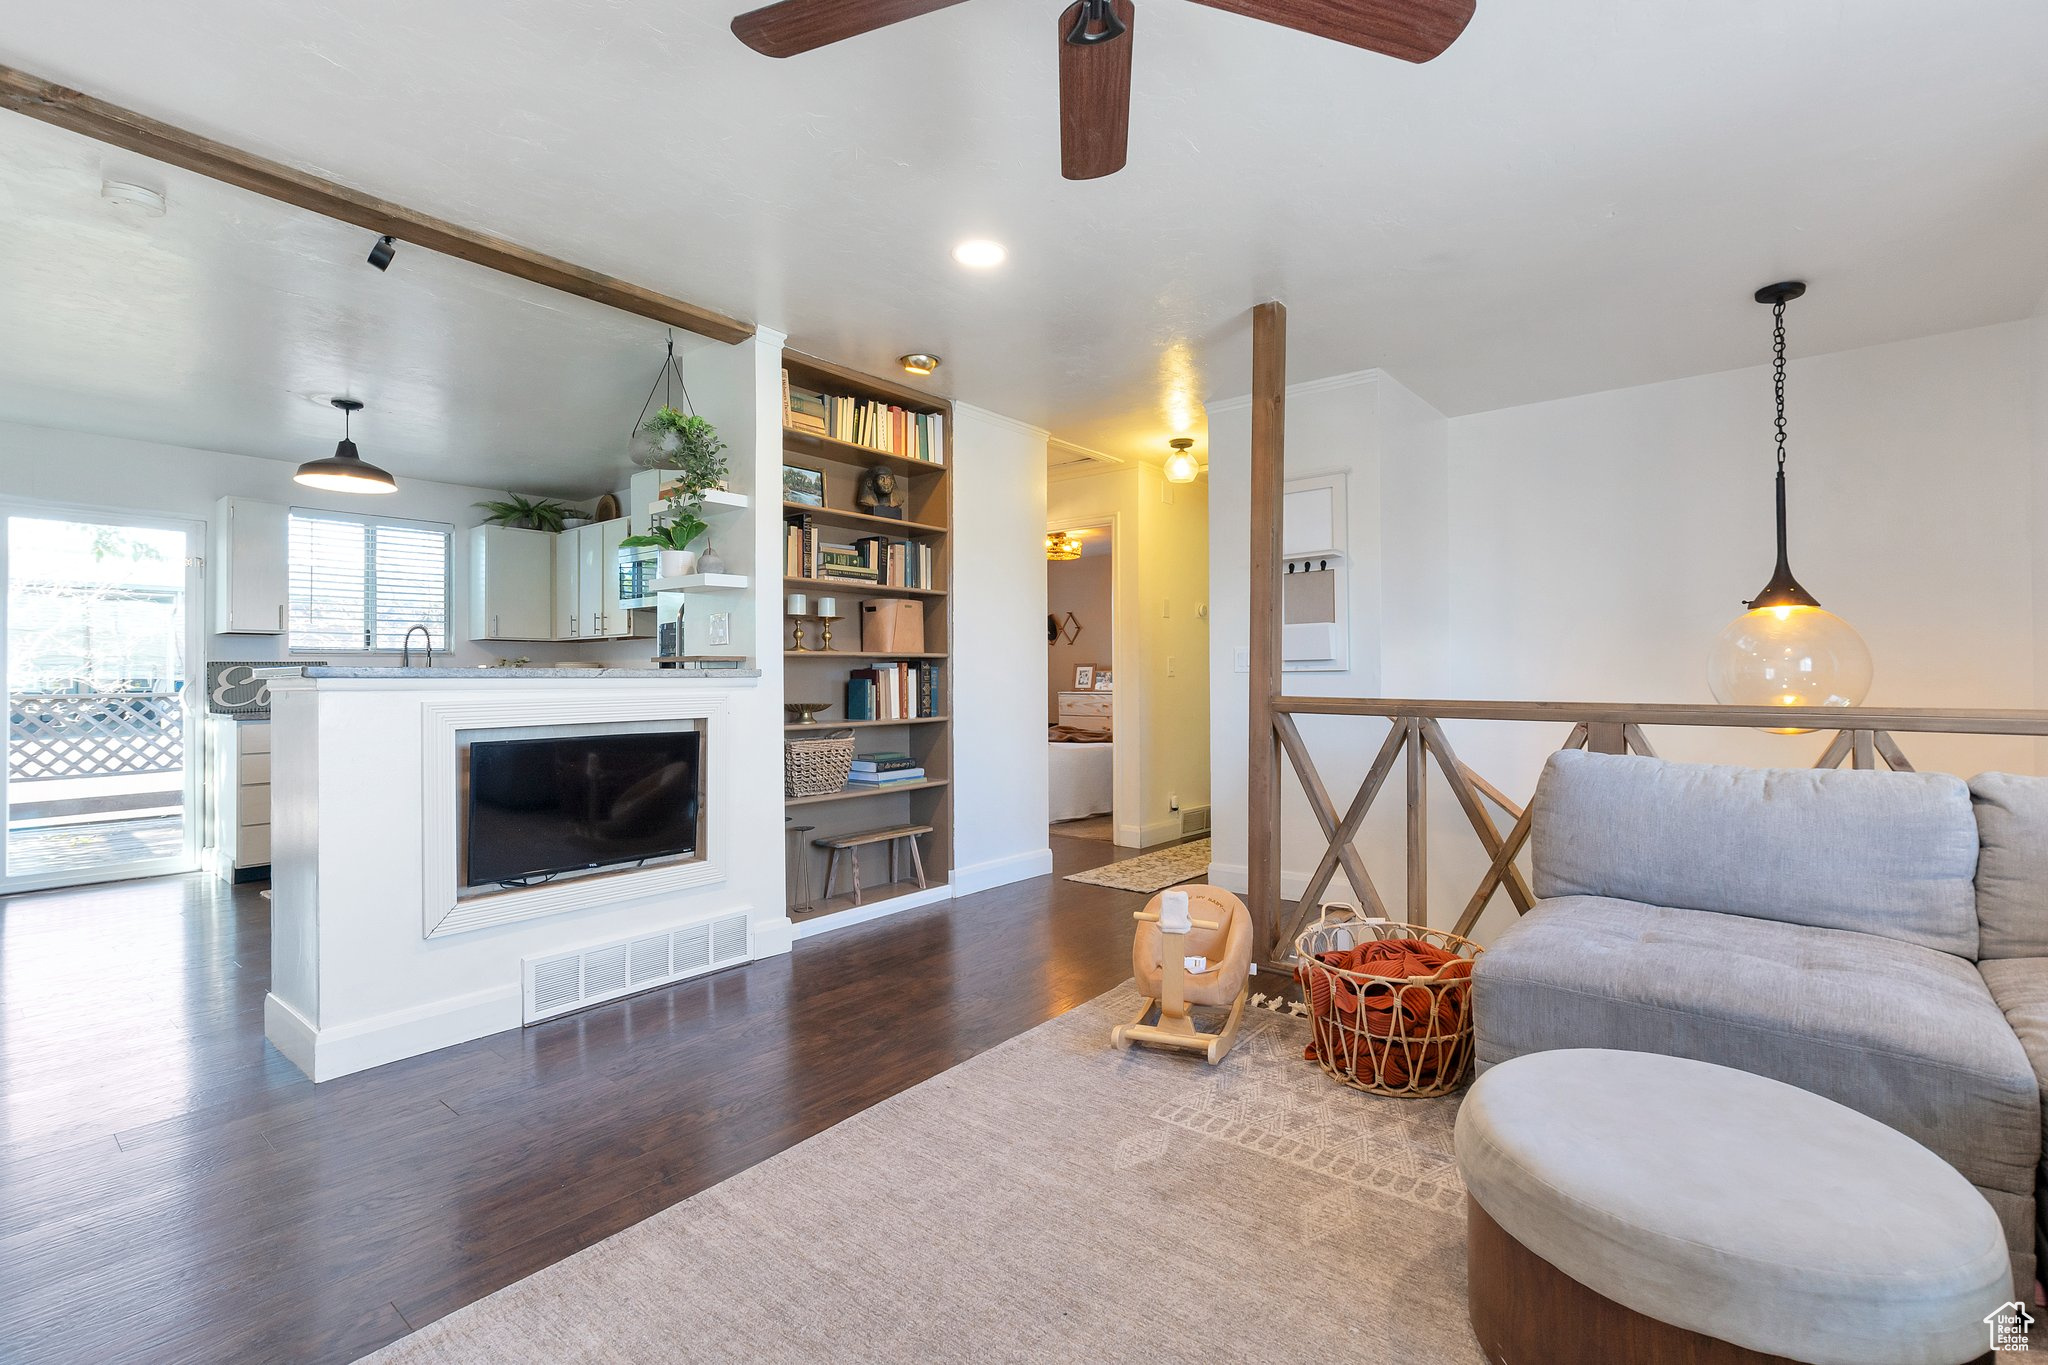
(445, 910)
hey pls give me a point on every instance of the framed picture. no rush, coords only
(1084, 677)
(803, 485)
(1102, 683)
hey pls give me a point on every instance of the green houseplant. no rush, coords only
(673, 537)
(539, 514)
(691, 446)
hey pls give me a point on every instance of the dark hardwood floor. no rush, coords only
(172, 1189)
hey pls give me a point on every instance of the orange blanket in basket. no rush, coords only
(1416, 1045)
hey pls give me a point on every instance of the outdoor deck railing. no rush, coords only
(1865, 737)
(93, 734)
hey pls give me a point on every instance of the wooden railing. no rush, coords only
(1864, 737)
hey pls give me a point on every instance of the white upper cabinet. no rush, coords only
(572, 622)
(250, 574)
(512, 584)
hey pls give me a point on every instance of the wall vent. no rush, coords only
(607, 971)
(1194, 820)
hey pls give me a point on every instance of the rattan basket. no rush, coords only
(816, 767)
(1407, 1036)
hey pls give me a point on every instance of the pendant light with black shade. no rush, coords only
(345, 471)
(1785, 650)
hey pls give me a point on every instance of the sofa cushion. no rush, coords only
(1883, 853)
(1902, 1033)
(2012, 864)
(2020, 986)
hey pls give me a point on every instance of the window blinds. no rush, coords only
(359, 583)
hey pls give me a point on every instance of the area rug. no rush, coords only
(1053, 1199)
(1154, 871)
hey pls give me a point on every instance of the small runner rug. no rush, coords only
(1154, 871)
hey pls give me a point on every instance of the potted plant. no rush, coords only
(691, 446)
(539, 514)
(672, 538)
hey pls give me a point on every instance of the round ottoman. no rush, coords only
(1626, 1206)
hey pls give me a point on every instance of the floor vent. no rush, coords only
(1194, 820)
(591, 976)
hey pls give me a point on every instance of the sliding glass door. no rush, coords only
(99, 644)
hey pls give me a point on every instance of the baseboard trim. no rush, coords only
(325, 1054)
(996, 872)
(863, 914)
(1236, 877)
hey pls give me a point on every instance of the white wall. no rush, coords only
(998, 600)
(1080, 588)
(1592, 547)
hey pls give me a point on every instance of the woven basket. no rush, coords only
(1408, 1036)
(816, 767)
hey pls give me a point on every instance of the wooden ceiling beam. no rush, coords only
(94, 118)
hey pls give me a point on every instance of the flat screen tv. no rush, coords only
(541, 807)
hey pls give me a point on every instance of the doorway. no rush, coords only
(1080, 574)
(101, 780)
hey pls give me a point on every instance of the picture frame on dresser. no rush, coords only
(1102, 680)
(1084, 677)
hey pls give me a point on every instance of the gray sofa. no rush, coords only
(1878, 938)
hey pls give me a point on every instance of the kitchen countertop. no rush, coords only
(509, 674)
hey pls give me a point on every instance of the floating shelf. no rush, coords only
(856, 793)
(716, 500)
(828, 586)
(865, 724)
(703, 582)
(846, 452)
(832, 516)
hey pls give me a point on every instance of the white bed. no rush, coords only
(1081, 782)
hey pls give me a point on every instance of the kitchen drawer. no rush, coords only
(252, 804)
(252, 736)
(252, 845)
(252, 770)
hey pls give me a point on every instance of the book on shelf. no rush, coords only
(865, 422)
(883, 762)
(802, 409)
(897, 563)
(888, 779)
(898, 690)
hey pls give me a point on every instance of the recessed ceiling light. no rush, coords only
(127, 194)
(980, 253)
(918, 362)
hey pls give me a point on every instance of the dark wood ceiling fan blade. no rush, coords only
(1413, 30)
(799, 25)
(1095, 97)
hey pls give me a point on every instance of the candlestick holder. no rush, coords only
(825, 628)
(796, 635)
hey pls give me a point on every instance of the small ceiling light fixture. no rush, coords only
(128, 195)
(980, 253)
(383, 251)
(919, 362)
(1181, 466)
(1062, 545)
(345, 471)
(1784, 650)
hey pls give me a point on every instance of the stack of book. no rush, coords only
(864, 422)
(896, 563)
(884, 770)
(893, 691)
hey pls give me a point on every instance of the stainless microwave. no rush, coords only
(637, 574)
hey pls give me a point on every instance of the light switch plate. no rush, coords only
(718, 628)
(1241, 659)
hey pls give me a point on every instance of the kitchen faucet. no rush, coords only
(406, 657)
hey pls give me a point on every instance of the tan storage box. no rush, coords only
(891, 625)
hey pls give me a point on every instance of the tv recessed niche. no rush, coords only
(540, 807)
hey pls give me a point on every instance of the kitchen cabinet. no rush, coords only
(238, 797)
(511, 584)
(249, 572)
(569, 614)
(587, 604)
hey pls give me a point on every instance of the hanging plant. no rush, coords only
(691, 446)
(541, 514)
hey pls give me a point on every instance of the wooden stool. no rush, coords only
(853, 843)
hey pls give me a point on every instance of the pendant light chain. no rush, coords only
(1778, 367)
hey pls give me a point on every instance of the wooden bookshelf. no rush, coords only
(820, 675)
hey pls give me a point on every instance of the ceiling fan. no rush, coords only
(1095, 49)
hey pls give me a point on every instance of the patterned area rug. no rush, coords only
(1053, 1199)
(1154, 871)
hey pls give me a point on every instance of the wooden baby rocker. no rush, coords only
(1167, 937)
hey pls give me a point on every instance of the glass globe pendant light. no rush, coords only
(1785, 650)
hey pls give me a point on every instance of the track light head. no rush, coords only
(383, 251)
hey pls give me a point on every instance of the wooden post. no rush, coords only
(1606, 737)
(1268, 471)
(1418, 826)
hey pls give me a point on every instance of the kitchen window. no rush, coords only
(359, 583)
